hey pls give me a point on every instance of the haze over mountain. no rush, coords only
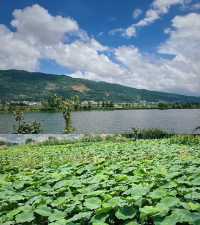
(22, 85)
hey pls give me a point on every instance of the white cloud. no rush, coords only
(40, 35)
(87, 58)
(136, 13)
(116, 31)
(35, 29)
(35, 24)
(177, 74)
(196, 6)
(184, 38)
(128, 33)
(15, 53)
(157, 9)
(184, 44)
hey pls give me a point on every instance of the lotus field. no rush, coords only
(149, 182)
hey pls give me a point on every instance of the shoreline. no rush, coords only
(95, 109)
(21, 139)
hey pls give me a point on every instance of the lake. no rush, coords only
(181, 121)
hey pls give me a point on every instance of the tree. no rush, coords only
(162, 105)
(111, 104)
(19, 117)
(76, 102)
(54, 102)
(66, 107)
(89, 105)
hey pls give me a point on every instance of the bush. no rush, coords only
(29, 128)
(55, 141)
(2, 143)
(24, 127)
(103, 137)
(152, 133)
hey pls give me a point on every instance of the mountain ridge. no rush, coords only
(37, 86)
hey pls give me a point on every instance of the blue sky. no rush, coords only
(143, 44)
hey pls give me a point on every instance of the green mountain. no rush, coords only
(22, 85)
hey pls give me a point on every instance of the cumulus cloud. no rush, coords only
(40, 35)
(49, 37)
(177, 74)
(85, 56)
(35, 29)
(36, 25)
(15, 53)
(184, 44)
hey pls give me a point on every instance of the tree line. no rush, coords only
(67, 106)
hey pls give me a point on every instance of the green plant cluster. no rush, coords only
(185, 139)
(149, 182)
(151, 133)
(24, 127)
(29, 128)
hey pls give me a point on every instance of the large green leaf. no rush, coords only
(56, 215)
(26, 216)
(169, 202)
(178, 216)
(126, 212)
(43, 211)
(92, 203)
(148, 211)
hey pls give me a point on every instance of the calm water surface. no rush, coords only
(178, 121)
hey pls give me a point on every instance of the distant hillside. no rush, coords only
(22, 85)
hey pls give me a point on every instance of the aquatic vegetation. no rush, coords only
(142, 182)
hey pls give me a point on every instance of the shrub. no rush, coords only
(24, 127)
(55, 141)
(29, 128)
(152, 133)
(2, 143)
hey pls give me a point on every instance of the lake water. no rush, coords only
(178, 121)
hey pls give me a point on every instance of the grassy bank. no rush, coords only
(123, 182)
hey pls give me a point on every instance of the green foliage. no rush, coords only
(152, 133)
(54, 102)
(101, 137)
(185, 139)
(29, 128)
(149, 182)
(66, 106)
(24, 127)
(2, 143)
